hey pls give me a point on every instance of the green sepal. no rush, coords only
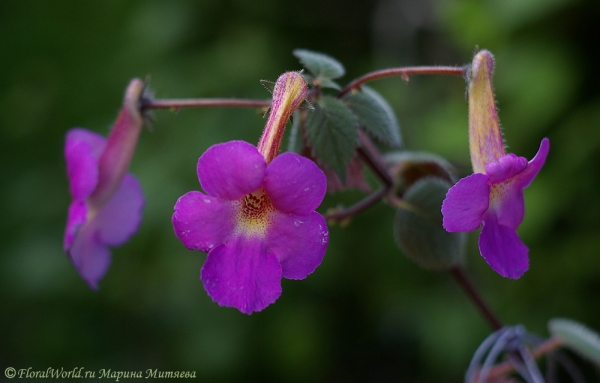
(320, 65)
(577, 337)
(269, 85)
(418, 227)
(333, 134)
(296, 139)
(375, 114)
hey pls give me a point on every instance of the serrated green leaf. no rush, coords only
(375, 114)
(320, 65)
(418, 227)
(333, 134)
(577, 337)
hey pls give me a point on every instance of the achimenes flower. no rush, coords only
(257, 220)
(493, 195)
(106, 209)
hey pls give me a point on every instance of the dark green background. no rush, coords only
(367, 313)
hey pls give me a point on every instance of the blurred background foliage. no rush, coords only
(367, 313)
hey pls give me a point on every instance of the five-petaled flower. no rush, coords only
(107, 201)
(256, 217)
(493, 195)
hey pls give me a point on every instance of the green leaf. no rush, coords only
(296, 139)
(577, 337)
(320, 65)
(327, 83)
(333, 134)
(375, 114)
(418, 227)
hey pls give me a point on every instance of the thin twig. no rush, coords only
(405, 73)
(203, 103)
(363, 204)
(460, 276)
(372, 157)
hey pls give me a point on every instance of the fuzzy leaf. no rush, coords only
(296, 139)
(327, 83)
(333, 134)
(577, 337)
(418, 227)
(375, 114)
(320, 65)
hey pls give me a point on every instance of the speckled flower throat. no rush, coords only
(255, 211)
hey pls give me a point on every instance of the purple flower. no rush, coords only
(493, 195)
(256, 219)
(107, 201)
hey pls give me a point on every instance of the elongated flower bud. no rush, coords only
(116, 157)
(290, 90)
(485, 138)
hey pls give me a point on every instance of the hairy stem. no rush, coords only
(176, 104)
(405, 73)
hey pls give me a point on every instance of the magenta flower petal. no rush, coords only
(507, 202)
(90, 256)
(242, 274)
(201, 221)
(295, 184)
(506, 198)
(502, 249)
(231, 170)
(87, 238)
(508, 166)
(299, 242)
(535, 165)
(121, 216)
(82, 151)
(76, 217)
(466, 203)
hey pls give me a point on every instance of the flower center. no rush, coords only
(254, 214)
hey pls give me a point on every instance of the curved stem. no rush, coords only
(405, 73)
(202, 103)
(460, 276)
(369, 153)
(364, 204)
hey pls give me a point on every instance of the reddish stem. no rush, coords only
(405, 72)
(203, 103)
(460, 276)
(364, 204)
(507, 367)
